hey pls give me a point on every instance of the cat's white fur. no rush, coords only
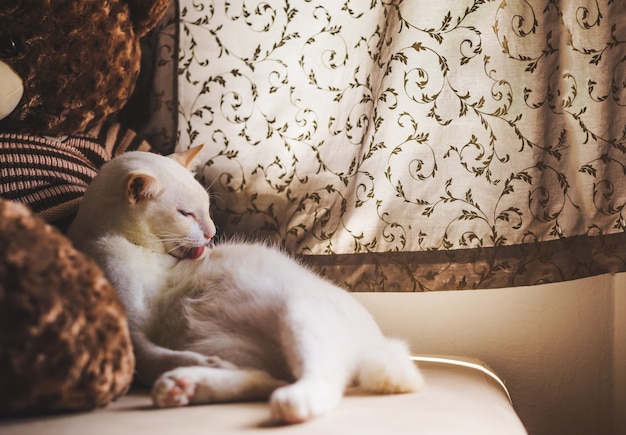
(234, 321)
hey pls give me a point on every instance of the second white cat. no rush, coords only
(234, 321)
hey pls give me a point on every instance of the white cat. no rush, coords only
(231, 321)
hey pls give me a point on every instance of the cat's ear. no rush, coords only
(141, 186)
(187, 157)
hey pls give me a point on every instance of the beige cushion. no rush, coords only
(457, 399)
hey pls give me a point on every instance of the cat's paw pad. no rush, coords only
(300, 402)
(172, 389)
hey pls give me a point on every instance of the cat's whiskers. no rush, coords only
(208, 188)
(179, 241)
(169, 251)
(213, 195)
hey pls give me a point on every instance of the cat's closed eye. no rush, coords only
(185, 213)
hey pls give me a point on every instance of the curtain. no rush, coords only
(413, 145)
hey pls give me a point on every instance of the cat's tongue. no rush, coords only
(193, 252)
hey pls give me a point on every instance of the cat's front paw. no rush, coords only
(173, 389)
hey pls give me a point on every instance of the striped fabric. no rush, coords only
(50, 175)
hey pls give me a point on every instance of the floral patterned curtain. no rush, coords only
(414, 145)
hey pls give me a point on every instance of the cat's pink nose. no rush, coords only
(209, 229)
(210, 233)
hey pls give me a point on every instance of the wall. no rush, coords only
(552, 344)
(619, 356)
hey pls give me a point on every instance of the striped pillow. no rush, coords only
(50, 175)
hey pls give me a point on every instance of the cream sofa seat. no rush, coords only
(461, 397)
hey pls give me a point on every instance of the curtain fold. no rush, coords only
(414, 146)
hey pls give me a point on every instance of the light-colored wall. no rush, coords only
(619, 356)
(559, 347)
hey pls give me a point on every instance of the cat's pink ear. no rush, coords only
(141, 187)
(186, 157)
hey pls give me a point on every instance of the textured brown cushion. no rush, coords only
(64, 340)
